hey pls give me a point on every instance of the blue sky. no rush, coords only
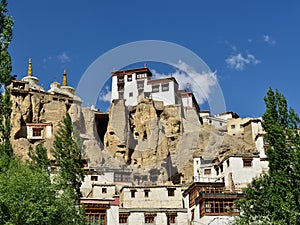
(249, 45)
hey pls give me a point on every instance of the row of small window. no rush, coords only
(96, 219)
(233, 126)
(117, 177)
(129, 77)
(171, 192)
(221, 124)
(149, 218)
(220, 206)
(247, 162)
(140, 86)
(164, 87)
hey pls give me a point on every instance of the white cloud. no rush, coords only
(105, 95)
(269, 40)
(238, 61)
(63, 57)
(46, 59)
(201, 84)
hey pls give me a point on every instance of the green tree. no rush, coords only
(6, 24)
(274, 197)
(68, 155)
(39, 158)
(28, 197)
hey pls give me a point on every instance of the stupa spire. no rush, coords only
(29, 73)
(65, 83)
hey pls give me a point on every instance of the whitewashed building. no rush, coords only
(249, 129)
(218, 121)
(236, 171)
(188, 100)
(129, 84)
(210, 203)
(161, 205)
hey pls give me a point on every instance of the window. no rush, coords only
(221, 168)
(141, 76)
(96, 218)
(171, 192)
(121, 95)
(123, 218)
(165, 87)
(155, 88)
(140, 91)
(140, 84)
(37, 131)
(121, 87)
(207, 171)
(171, 219)
(232, 126)
(217, 170)
(241, 125)
(94, 178)
(146, 193)
(132, 193)
(130, 94)
(120, 79)
(104, 190)
(221, 124)
(219, 206)
(228, 163)
(129, 78)
(247, 162)
(118, 177)
(149, 218)
(126, 178)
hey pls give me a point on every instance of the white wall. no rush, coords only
(168, 97)
(158, 198)
(136, 218)
(241, 175)
(113, 215)
(215, 220)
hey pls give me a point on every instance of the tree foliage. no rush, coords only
(6, 25)
(39, 158)
(28, 197)
(274, 197)
(67, 152)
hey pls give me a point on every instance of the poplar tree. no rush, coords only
(274, 198)
(39, 158)
(6, 25)
(68, 156)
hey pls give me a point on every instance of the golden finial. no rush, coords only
(29, 73)
(65, 83)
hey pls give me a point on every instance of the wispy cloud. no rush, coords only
(63, 57)
(105, 94)
(267, 39)
(201, 84)
(46, 59)
(238, 61)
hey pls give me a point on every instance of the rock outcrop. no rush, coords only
(164, 139)
(150, 139)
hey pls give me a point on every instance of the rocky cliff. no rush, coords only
(155, 141)
(152, 138)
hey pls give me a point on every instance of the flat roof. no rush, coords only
(130, 71)
(168, 79)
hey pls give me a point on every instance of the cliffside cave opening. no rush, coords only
(101, 120)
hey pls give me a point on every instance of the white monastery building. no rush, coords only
(130, 84)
